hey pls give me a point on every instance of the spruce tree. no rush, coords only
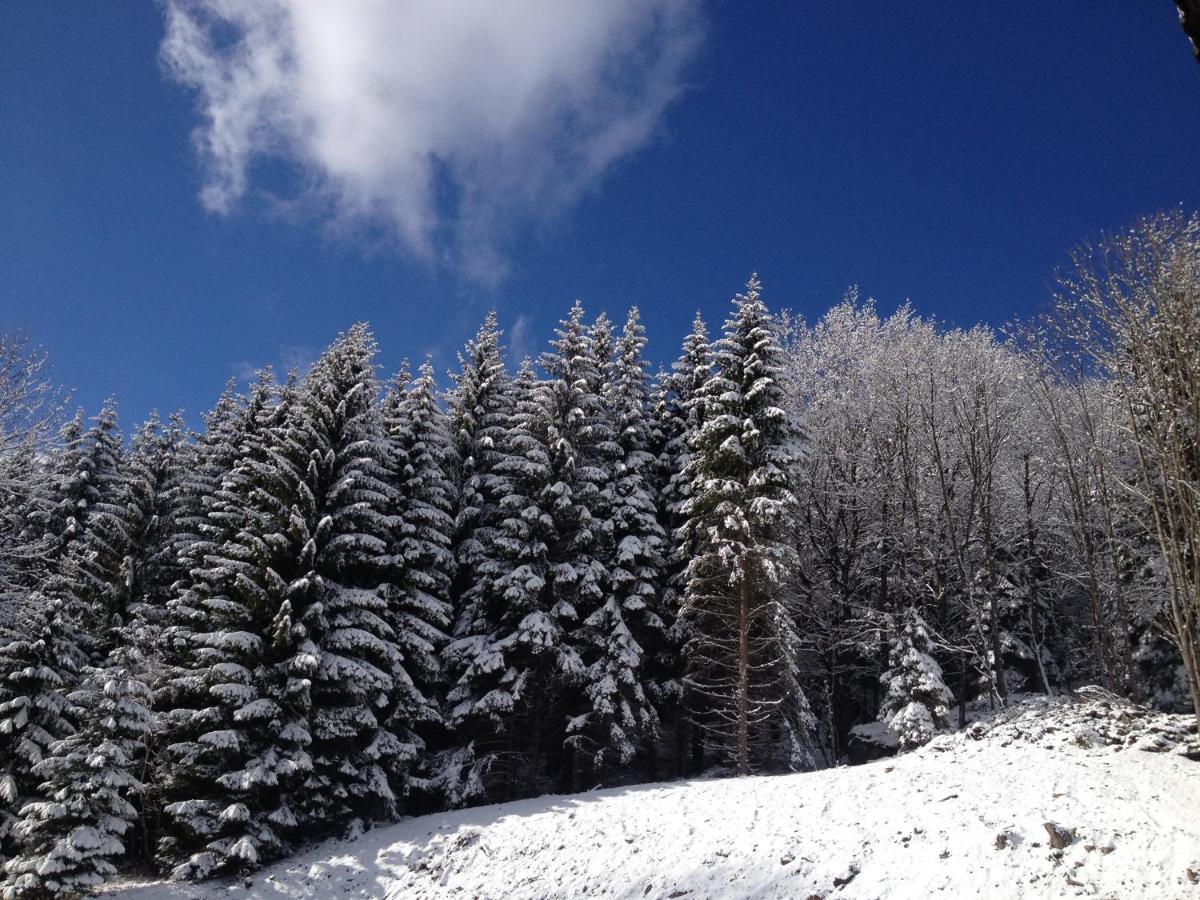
(120, 570)
(678, 414)
(615, 636)
(88, 502)
(40, 660)
(514, 671)
(317, 709)
(73, 835)
(480, 412)
(421, 558)
(47, 640)
(479, 409)
(741, 645)
(581, 452)
(917, 703)
(117, 570)
(85, 477)
(25, 548)
(364, 703)
(155, 477)
(234, 431)
(67, 488)
(202, 463)
(234, 757)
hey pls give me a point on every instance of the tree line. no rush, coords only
(343, 601)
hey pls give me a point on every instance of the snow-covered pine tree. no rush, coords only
(658, 403)
(72, 836)
(40, 659)
(597, 449)
(85, 506)
(581, 449)
(682, 415)
(503, 701)
(120, 570)
(422, 559)
(155, 477)
(85, 472)
(428, 500)
(615, 637)
(65, 490)
(741, 648)
(480, 410)
(203, 462)
(233, 431)
(364, 702)
(315, 725)
(304, 664)
(46, 643)
(233, 757)
(119, 564)
(916, 703)
(104, 470)
(24, 546)
(679, 412)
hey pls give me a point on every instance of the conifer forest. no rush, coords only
(345, 597)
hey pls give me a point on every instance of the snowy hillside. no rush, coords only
(964, 816)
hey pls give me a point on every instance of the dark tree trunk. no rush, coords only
(743, 679)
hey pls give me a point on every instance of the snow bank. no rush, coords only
(979, 813)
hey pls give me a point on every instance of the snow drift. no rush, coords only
(1048, 799)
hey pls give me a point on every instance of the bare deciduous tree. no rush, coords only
(1132, 305)
(31, 408)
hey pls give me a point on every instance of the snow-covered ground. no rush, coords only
(963, 817)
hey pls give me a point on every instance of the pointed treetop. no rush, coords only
(425, 377)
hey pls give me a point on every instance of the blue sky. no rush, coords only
(945, 152)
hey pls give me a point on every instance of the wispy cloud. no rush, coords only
(297, 358)
(440, 125)
(520, 339)
(245, 372)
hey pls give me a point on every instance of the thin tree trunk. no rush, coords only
(1032, 574)
(681, 743)
(962, 689)
(511, 761)
(652, 759)
(1037, 651)
(743, 678)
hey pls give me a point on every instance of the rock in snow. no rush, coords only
(873, 831)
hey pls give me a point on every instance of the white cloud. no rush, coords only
(298, 358)
(442, 123)
(520, 339)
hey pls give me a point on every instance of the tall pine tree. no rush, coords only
(615, 636)
(234, 758)
(741, 646)
(422, 561)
